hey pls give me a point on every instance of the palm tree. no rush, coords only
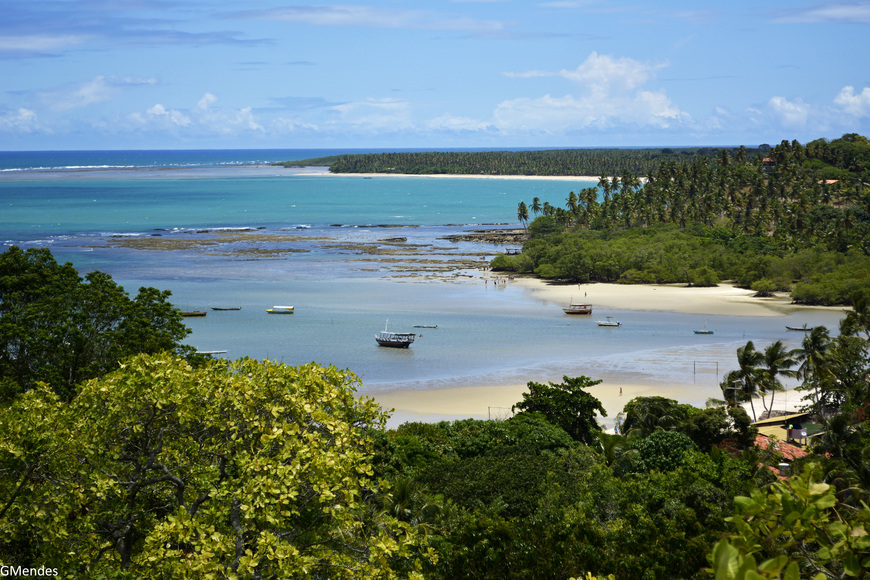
(777, 362)
(536, 205)
(572, 203)
(813, 358)
(858, 320)
(745, 381)
(523, 213)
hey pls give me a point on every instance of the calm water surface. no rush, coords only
(221, 211)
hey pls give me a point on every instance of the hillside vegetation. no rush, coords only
(796, 219)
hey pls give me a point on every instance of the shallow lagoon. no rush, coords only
(208, 235)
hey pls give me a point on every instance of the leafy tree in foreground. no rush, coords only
(566, 405)
(60, 329)
(160, 470)
(795, 530)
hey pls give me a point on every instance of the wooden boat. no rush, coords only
(607, 322)
(211, 352)
(226, 307)
(425, 326)
(193, 312)
(394, 339)
(577, 308)
(280, 310)
(803, 328)
(703, 330)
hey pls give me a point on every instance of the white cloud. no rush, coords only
(40, 42)
(791, 114)
(205, 102)
(97, 90)
(368, 16)
(846, 12)
(20, 121)
(203, 119)
(375, 114)
(852, 103)
(610, 96)
(453, 123)
(159, 112)
(603, 74)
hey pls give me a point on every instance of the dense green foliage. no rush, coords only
(549, 162)
(777, 223)
(566, 405)
(60, 329)
(161, 470)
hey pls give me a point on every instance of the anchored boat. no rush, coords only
(577, 308)
(394, 339)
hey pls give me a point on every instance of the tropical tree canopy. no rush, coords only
(566, 405)
(162, 470)
(58, 328)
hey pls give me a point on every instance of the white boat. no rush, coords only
(607, 322)
(280, 310)
(394, 339)
(577, 308)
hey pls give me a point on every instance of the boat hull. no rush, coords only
(392, 344)
(703, 332)
(193, 313)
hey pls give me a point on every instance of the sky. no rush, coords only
(215, 74)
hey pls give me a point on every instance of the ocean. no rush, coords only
(352, 254)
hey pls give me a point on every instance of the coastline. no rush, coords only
(321, 171)
(487, 401)
(722, 300)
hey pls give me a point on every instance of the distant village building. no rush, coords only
(787, 435)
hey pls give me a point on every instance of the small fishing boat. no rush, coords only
(280, 310)
(394, 339)
(703, 330)
(425, 326)
(607, 322)
(193, 312)
(577, 308)
(226, 307)
(211, 352)
(803, 328)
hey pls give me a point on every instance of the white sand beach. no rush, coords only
(325, 172)
(724, 299)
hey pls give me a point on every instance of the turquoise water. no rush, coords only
(85, 205)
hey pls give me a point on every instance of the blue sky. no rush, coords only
(144, 74)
